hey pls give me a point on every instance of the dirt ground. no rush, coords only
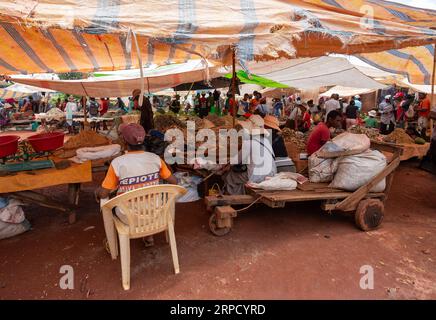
(298, 252)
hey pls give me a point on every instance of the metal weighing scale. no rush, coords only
(24, 163)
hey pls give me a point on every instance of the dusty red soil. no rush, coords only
(294, 253)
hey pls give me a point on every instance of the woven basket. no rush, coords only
(293, 151)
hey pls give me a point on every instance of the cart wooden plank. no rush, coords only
(310, 195)
(228, 200)
(318, 187)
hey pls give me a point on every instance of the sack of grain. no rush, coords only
(345, 144)
(357, 170)
(322, 169)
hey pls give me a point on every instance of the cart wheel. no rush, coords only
(369, 214)
(213, 227)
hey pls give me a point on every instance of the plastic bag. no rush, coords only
(321, 169)
(345, 144)
(355, 171)
(12, 212)
(281, 181)
(8, 230)
(190, 183)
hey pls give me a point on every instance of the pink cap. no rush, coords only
(133, 133)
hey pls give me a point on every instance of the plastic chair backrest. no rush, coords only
(148, 209)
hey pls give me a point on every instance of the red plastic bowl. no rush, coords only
(46, 141)
(8, 145)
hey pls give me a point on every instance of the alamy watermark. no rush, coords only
(367, 280)
(223, 146)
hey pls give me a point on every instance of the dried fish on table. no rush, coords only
(216, 120)
(399, 136)
(164, 122)
(371, 133)
(296, 137)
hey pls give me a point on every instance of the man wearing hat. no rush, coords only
(136, 168)
(371, 121)
(358, 102)
(133, 170)
(282, 160)
(256, 158)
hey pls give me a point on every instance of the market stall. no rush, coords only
(288, 29)
(30, 165)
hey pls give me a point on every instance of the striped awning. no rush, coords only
(415, 63)
(64, 35)
(18, 91)
(8, 94)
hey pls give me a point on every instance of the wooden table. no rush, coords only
(22, 185)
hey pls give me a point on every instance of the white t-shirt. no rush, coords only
(258, 155)
(331, 105)
(296, 112)
(135, 169)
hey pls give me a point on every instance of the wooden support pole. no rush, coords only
(85, 121)
(433, 75)
(234, 86)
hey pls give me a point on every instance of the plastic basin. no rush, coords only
(46, 141)
(8, 145)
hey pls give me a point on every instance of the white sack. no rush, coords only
(356, 171)
(281, 181)
(95, 153)
(13, 212)
(322, 169)
(345, 144)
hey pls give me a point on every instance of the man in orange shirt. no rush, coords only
(423, 113)
(133, 170)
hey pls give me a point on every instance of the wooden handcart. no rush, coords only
(367, 207)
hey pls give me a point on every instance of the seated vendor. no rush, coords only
(321, 134)
(256, 158)
(135, 169)
(282, 160)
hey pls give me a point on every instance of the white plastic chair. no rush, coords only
(149, 210)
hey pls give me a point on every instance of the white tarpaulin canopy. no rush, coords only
(346, 91)
(309, 73)
(122, 85)
(306, 73)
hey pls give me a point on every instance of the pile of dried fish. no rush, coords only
(371, 133)
(398, 136)
(164, 122)
(216, 120)
(86, 138)
(296, 137)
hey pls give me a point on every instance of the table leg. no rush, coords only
(73, 198)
